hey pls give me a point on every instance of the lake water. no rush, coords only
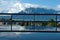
(29, 36)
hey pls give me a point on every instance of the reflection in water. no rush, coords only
(26, 28)
(5, 27)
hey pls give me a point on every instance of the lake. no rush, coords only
(29, 36)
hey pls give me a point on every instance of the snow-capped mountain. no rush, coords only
(31, 8)
(38, 11)
(18, 7)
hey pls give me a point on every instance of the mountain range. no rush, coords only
(31, 9)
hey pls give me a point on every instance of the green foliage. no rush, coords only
(51, 22)
(58, 24)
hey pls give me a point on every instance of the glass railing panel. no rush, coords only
(23, 26)
(5, 26)
(45, 17)
(45, 26)
(23, 17)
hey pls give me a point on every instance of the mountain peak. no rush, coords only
(18, 7)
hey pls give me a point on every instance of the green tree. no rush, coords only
(51, 22)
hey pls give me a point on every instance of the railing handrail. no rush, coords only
(25, 14)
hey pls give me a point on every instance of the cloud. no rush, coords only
(1, 2)
(5, 5)
(17, 7)
(58, 7)
(14, 6)
(27, 5)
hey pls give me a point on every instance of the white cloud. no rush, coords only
(17, 7)
(58, 7)
(6, 5)
(14, 6)
(27, 5)
(3, 2)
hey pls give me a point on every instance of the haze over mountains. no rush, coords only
(31, 8)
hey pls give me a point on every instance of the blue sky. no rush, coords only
(52, 3)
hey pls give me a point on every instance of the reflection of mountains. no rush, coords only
(26, 18)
